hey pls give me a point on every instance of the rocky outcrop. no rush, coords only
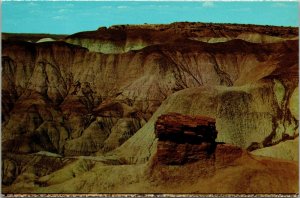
(185, 129)
(183, 139)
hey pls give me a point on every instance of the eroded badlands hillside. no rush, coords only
(87, 104)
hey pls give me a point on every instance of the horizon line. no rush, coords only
(145, 24)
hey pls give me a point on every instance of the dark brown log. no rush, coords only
(185, 129)
(184, 139)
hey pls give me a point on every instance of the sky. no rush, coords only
(67, 17)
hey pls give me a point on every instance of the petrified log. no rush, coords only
(183, 139)
(185, 129)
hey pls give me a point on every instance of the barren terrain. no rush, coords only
(79, 111)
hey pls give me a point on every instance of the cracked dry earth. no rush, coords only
(79, 111)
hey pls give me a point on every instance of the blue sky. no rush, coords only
(67, 17)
